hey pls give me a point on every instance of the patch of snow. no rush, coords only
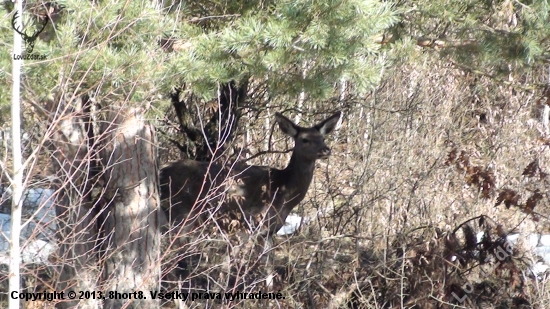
(539, 268)
(292, 224)
(39, 226)
(538, 244)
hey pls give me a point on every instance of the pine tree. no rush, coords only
(102, 57)
(492, 38)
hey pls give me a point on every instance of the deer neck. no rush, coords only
(297, 175)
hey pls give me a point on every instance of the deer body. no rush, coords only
(254, 195)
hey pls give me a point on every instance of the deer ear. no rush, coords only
(327, 125)
(286, 125)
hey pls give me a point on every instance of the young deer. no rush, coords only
(254, 196)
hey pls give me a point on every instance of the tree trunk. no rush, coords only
(77, 231)
(17, 180)
(218, 130)
(131, 199)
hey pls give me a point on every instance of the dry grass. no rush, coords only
(415, 161)
(390, 213)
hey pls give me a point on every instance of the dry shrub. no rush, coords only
(431, 147)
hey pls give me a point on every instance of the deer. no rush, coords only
(259, 198)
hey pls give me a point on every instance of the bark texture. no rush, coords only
(71, 159)
(131, 202)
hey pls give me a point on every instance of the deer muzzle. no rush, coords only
(324, 153)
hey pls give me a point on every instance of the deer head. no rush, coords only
(309, 143)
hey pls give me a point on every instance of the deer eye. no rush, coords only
(305, 141)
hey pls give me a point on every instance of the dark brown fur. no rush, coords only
(192, 190)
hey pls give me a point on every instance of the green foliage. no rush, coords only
(494, 35)
(113, 48)
(107, 48)
(292, 46)
(324, 39)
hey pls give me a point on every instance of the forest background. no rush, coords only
(445, 135)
